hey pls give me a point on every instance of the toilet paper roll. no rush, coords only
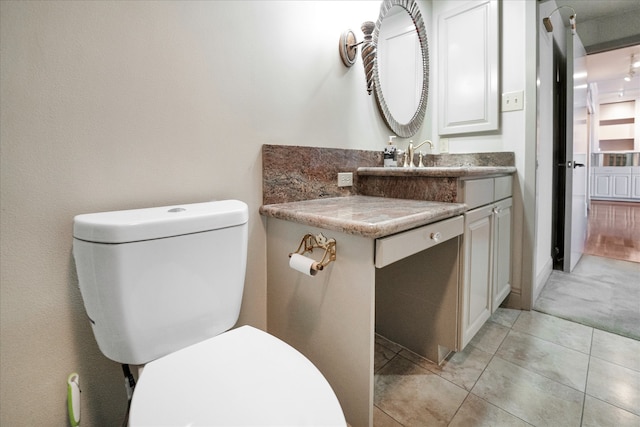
(302, 264)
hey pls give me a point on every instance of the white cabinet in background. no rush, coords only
(601, 186)
(486, 253)
(614, 183)
(635, 183)
(621, 186)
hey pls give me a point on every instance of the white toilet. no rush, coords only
(161, 287)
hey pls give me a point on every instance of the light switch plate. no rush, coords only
(444, 145)
(512, 101)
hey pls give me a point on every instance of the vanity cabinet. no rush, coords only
(486, 252)
(330, 317)
(394, 274)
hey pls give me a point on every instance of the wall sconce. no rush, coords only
(349, 50)
(572, 20)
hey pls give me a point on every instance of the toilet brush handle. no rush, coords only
(73, 399)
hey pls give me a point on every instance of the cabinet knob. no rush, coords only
(497, 210)
(436, 236)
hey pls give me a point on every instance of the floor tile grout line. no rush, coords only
(470, 391)
(538, 373)
(612, 404)
(551, 342)
(545, 376)
(495, 355)
(431, 372)
(615, 405)
(586, 380)
(458, 409)
(615, 363)
(397, 354)
(388, 415)
(496, 406)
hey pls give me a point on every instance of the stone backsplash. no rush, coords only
(296, 173)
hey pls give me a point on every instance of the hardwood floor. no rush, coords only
(614, 230)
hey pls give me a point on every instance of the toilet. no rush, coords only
(162, 287)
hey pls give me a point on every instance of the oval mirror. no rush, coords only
(401, 66)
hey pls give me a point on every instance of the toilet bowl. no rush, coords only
(244, 377)
(162, 287)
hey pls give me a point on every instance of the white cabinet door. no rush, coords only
(635, 186)
(476, 293)
(617, 182)
(501, 252)
(468, 57)
(621, 186)
(601, 186)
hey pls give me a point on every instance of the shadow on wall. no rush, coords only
(103, 398)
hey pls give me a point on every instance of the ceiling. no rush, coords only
(608, 69)
(610, 33)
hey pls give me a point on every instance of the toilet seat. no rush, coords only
(243, 377)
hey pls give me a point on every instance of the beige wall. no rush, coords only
(115, 105)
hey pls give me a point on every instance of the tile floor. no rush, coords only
(523, 368)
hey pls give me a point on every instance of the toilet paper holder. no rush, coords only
(310, 242)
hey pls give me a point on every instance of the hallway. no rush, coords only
(614, 230)
(603, 291)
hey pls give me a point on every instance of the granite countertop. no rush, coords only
(364, 215)
(439, 171)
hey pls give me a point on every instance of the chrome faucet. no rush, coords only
(411, 151)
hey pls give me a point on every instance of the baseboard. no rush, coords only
(541, 279)
(513, 300)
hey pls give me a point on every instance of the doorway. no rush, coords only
(559, 158)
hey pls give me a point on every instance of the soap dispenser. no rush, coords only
(390, 154)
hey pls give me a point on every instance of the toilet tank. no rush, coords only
(156, 280)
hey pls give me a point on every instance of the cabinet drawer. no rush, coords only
(503, 187)
(614, 170)
(394, 248)
(478, 192)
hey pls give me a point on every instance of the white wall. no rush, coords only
(115, 105)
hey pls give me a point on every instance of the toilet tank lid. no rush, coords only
(154, 223)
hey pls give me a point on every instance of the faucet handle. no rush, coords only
(405, 157)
